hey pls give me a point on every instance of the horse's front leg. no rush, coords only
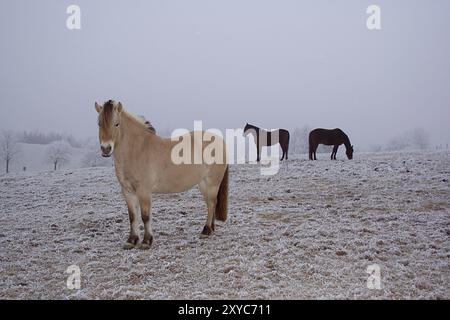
(145, 203)
(258, 149)
(133, 207)
(335, 150)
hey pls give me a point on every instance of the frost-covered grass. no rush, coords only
(309, 232)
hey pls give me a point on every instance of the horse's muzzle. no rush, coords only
(106, 151)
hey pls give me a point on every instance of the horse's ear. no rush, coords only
(119, 107)
(98, 107)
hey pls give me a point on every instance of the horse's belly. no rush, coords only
(172, 188)
(175, 183)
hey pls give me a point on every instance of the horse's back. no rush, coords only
(284, 132)
(325, 136)
(317, 133)
(323, 132)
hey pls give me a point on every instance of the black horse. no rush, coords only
(264, 138)
(333, 137)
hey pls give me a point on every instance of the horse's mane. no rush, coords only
(108, 108)
(249, 126)
(141, 119)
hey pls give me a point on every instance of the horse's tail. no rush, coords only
(222, 198)
(311, 147)
(288, 139)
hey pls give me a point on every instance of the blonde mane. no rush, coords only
(141, 120)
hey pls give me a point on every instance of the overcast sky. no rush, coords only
(277, 63)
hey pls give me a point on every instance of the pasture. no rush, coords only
(310, 231)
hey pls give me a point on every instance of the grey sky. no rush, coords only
(283, 63)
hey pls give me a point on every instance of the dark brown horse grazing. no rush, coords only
(329, 137)
(264, 138)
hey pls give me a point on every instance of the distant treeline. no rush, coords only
(36, 137)
(416, 138)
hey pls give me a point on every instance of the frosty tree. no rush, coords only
(92, 158)
(420, 138)
(58, 153)
(9, 149)
(299, 140)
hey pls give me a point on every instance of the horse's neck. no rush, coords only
(255, 132)
(347, 142)
(132, 138)
(258, 131)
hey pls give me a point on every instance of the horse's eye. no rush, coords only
(117, 124)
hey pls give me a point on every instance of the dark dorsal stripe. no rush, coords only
(149, 126)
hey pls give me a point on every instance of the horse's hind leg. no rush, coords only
(258, 153)
(145, 203)
(333, 154)
(133, 207)
(209, 193)
(285, 152)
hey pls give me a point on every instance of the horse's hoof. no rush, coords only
(207, 231)
(146, 243)
(144, 246)
(128, 246)
(131, 242)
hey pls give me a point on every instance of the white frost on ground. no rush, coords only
(309, 232)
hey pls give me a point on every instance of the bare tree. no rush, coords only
(420, 138)
(58, 153)
(299, 140)
(9, 149)
(92, 158)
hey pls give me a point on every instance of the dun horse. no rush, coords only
(143, 165)
(265, 138)
(333, 137)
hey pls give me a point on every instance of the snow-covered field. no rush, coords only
(309, 232)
